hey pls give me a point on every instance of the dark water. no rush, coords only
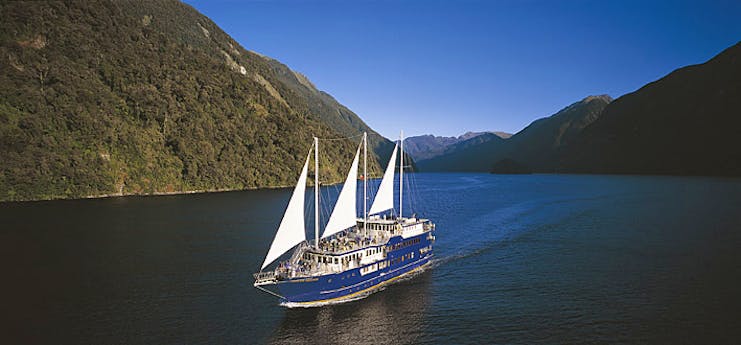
(520, 259)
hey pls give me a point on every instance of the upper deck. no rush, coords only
(355, 247)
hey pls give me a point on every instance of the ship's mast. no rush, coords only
(365, 181)
(316, 192)
(401, 173)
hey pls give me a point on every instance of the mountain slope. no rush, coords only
(332, 113)
(538, 145)
(685, 123)
(137, 97)
(535, 147)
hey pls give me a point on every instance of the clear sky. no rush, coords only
(447, 67)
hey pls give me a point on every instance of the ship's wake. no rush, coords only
(497, 228)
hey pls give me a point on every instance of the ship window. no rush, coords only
(335, 260)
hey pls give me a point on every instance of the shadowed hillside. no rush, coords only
(535, 148)
(687, 123)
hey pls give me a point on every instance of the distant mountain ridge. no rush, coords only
(428, 146)
(535, 147)
(467, 155)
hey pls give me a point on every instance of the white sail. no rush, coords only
(385, 197)
(292, 229)
(345, 212)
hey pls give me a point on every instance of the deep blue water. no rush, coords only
(525, 259)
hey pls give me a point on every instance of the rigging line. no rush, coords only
(413, 201)
(418, 194)
(372, 191)
(414, 193)
(408, 191)
(324, 208)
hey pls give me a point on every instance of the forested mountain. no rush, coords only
(138, 97)
(686, 123)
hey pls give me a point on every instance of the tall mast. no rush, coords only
(316, 192)
(401, 173)
(365, 181)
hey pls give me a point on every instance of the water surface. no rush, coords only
(520, 259)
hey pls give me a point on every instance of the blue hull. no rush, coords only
(400, 260)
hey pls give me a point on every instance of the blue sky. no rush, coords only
(447, 67)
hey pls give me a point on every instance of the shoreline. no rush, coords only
(198, 191)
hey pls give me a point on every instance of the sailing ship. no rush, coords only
(354, 256)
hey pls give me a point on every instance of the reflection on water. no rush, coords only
(392, 316)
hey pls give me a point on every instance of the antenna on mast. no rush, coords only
(316, 192)
(401, 174)
(365, 181)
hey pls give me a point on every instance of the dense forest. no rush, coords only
(124, 97)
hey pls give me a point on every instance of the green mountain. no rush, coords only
(535, 148)
(139, 97)
(686, 123)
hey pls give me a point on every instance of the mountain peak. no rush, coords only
(605, 98)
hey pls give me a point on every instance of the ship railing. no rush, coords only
(262, 277)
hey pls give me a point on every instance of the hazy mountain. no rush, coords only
(535, 147)
(136, 97)
(429, 146)
(688, 122)
(467, 155)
